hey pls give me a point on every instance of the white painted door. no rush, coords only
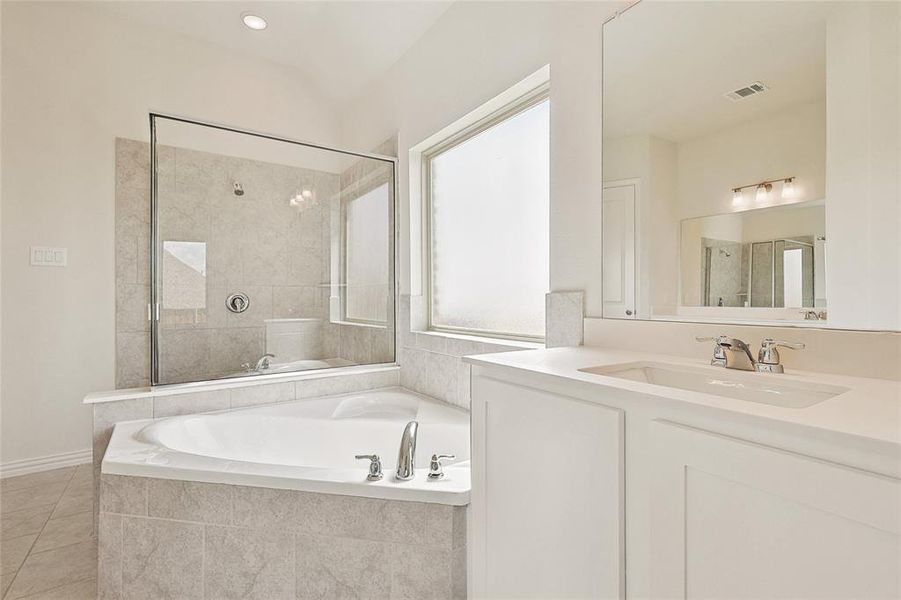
(547, 495)
(619, 250)
(733, 519)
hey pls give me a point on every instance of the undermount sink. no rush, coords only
(740, 385)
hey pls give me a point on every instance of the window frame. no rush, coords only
(524, 102)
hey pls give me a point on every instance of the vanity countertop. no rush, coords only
(870, 409)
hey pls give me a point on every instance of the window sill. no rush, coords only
(509, 343)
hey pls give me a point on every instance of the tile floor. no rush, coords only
(47, 546)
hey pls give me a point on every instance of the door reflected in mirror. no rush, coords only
(735, 145)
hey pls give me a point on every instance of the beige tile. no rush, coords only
(78, 497)
(161, 559)
(65, 531)
(233, 347)
(242, 563)
(40, 495)
(189, 501)
(109, 563)
(14, 550)
(124, 495)
(563, 318)
(131, 307)
(420, 573)
(365, 518)
(188, 404)
(329, 567)
(80, 590)
(83, 473)
(132, 164)
(24, 522)
(35, 479)
(48, 570)
(6, 580)
(344, 384)
(184, 354)
(262, 394)
(132, 359)
(264, 507)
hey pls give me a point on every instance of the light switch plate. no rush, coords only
(46, 256)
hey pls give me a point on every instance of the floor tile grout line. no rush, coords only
(38, 536)
(50, 589)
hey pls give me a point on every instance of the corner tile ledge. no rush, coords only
(227, 384)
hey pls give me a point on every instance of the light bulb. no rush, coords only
(788, 189)
(763, 192)
(737, 197)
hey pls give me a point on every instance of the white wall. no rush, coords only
(863, 217)
(73, 80)
(473, 53)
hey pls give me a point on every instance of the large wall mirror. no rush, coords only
(751, 163)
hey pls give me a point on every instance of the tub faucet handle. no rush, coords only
(375, 466)
(435, 467)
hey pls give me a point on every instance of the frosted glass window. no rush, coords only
(366, 279)
(489, 228)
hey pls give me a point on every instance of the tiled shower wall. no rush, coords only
(255, 243)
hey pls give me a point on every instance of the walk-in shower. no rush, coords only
(268, 254)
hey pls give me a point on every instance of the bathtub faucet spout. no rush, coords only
(406, 456)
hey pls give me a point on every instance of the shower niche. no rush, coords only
(269, 255)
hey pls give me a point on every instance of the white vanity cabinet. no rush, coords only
(547, 495)
(571, 479)
(733, 519)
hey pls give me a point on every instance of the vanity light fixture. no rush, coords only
(763, 190)
(255, 22)
(788, 188)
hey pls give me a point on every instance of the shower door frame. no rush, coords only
(155, 270)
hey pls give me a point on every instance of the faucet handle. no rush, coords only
(435, 467)
(768, 357)
(719, 354)
(375, 466)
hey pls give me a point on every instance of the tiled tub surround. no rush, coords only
(243, 510)
(255, 243)
(171, 539)
(146, 403)
(307, 445)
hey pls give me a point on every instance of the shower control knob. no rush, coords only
(375, 466)
(435, 467)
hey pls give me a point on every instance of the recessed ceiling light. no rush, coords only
(254, 21)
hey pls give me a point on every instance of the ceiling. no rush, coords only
(667, 65)
(338, 46)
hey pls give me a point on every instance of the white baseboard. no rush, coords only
(44, 463)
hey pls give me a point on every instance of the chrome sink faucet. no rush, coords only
(406, 455)
(731, 353)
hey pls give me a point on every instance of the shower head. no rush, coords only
(725, 253)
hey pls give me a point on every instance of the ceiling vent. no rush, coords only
(746, 92)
